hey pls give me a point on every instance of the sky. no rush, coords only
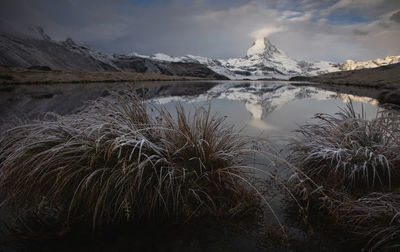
(314, 30)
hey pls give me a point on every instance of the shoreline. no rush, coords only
(384, 80)
(385, 96)
(18, 76)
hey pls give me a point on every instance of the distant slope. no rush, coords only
(385, 80)
(381, 77)
(355, 65)
(36, 48)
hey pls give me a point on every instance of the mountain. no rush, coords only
(355, 65)
(146, 65)
(34, 47)
(262, 61)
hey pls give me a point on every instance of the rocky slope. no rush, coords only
(22, 50)
(36, 48)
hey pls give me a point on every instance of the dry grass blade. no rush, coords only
(375, 217)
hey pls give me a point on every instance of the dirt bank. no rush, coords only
(12, 75)
(384, 82)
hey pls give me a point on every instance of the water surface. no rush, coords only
(273, 110)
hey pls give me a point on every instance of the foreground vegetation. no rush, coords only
(120, 161)
(349, 168)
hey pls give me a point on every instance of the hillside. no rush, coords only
(380, 77)
(385, 80)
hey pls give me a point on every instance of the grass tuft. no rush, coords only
(350, 150)
(117, 162)
(348, 167)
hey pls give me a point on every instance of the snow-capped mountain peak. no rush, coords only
(262, 61)
(263, 47)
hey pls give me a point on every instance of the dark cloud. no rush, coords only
(360, 32)
(210, 28)
(396, 17)
(384, 25)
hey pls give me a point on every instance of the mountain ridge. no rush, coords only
(263, 59)
(36, 48)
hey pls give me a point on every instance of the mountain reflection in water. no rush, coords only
(269, 108)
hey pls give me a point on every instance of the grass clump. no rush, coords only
(117, 162)
(350, 150)
(348, 167)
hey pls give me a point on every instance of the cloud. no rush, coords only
(265, 32)
(296, 16)
(360, 32)
(370, 9)
(219, 29)
(396, 17)
(305, 17)
(354, 4)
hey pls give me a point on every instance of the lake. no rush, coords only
(271, 110)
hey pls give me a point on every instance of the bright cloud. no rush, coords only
(265, 32)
